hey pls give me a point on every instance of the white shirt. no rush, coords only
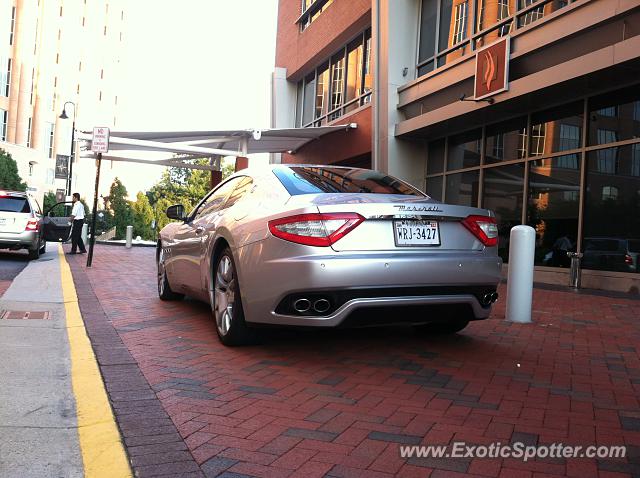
(78, 211)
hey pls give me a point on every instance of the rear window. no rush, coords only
(634, 245)
(14, 204)
(317, 180)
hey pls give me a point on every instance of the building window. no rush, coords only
(51, 136)
(569, 137)
(537, 139)
(445, 26)
(532, 15)
(617, 113)
(609, 193)
(29, 120)
(30, 168)
(610, 111)
(498, 146)
(3, 124)
(503, 12)
(522, 143)
(336, 88)
(13, 25)
(635, 159)
(322, 92)
(553, 209)
(460, 22)
(611, 209)
(5, 79)
(606, 157)
(311, 10)
(503, 188)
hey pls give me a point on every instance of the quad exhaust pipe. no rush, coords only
(319, 306)
(489, 298)
(302, 305)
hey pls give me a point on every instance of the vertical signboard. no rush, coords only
(492, 69)
(62, 166)
(100, 139)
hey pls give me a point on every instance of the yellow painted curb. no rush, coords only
(103, 454)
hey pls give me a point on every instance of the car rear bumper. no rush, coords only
(406, 281)
(18, 240)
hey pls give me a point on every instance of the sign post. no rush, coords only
(99, 144)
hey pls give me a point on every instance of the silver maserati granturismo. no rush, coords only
(326, 246)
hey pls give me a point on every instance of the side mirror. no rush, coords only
(176, 212)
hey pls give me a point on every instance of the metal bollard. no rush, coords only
(575, 272)
(83, 234)
(129, 237)
(522, 247)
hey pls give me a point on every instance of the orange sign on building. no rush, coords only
(492, 69)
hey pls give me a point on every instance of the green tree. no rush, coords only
(142, 217)
(228, 168)
(178, 186)
(120, 207)
(9, 177)
(49, 201)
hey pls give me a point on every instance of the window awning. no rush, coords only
(127, 145)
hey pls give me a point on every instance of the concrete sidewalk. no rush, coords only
(38, 436)
(53, 422)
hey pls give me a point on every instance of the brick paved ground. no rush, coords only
(339, 403)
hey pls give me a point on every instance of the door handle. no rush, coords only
(199, 230)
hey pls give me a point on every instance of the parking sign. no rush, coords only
(100, 139)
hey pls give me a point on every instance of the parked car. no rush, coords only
(21, 223)
(611, 254)
(328, 246)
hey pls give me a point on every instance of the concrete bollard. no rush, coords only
(129, 236)
(522, 247)
(84, 233)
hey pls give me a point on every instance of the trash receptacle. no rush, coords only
(574, 272)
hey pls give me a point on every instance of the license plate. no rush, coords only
(416, 233)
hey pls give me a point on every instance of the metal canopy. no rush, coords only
(126, 145)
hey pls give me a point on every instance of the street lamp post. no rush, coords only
(63, 115)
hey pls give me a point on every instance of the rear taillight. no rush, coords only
(484, 228)
(315, 229)
(628, 259)
(32, 225)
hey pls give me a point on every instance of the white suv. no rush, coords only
(21, 223)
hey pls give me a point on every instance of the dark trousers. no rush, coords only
(76, 236)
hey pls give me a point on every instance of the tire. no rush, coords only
(450, 327)
(226, 303)
(164, 288)
(34, 254)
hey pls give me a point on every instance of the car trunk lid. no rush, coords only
(426, 224)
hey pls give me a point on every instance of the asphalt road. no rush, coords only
(11, 264)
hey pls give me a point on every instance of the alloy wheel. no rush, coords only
(224, 292)
(161, 272)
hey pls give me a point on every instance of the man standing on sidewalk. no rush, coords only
(77, 219)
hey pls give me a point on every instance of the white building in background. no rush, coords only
(53, 52)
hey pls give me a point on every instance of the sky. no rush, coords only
(194, 65)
